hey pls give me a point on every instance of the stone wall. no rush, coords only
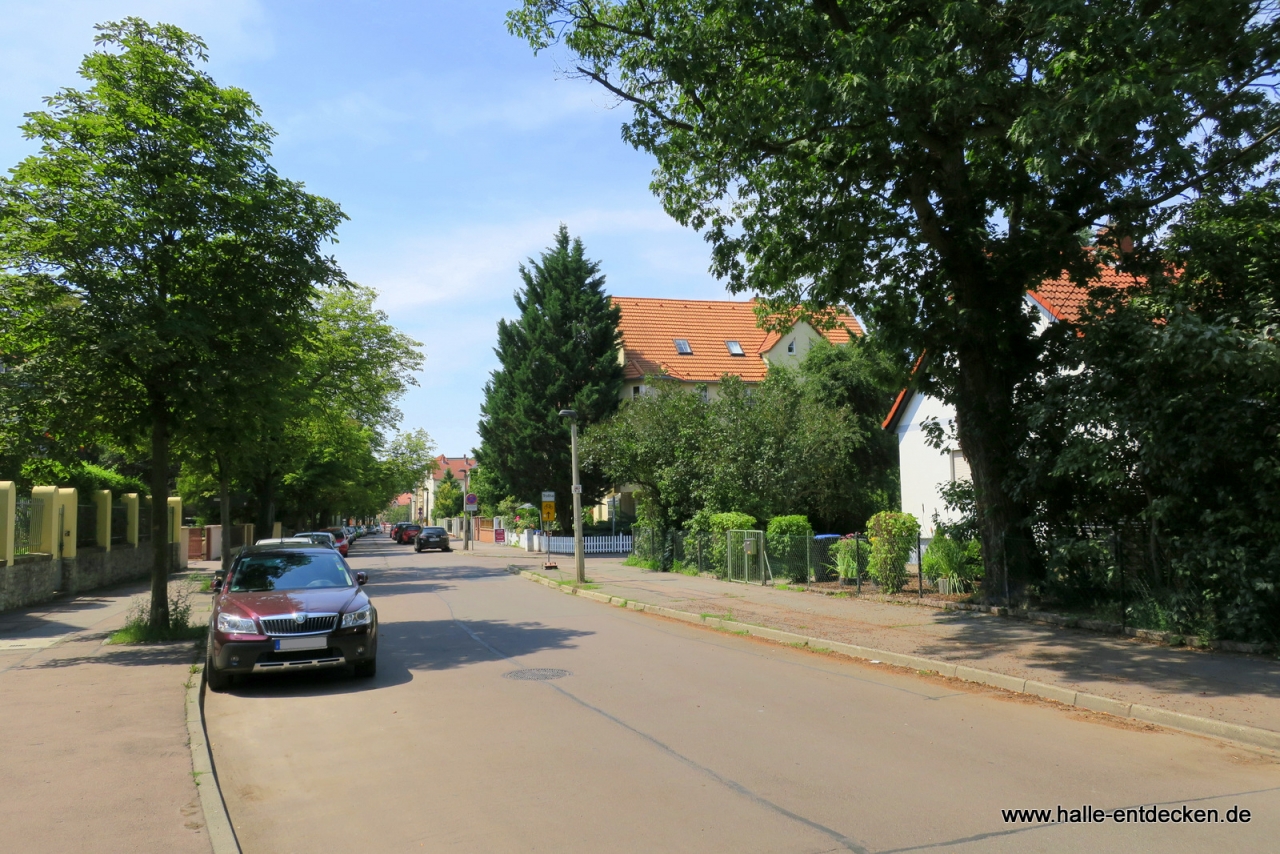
(37, 578)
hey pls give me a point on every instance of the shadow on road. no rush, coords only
(1074, 655)
(416, 645)
(180, 652)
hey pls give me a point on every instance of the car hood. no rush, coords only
(329, 601)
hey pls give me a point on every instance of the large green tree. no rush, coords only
(928, 161)
(153, 211)
(561, 353)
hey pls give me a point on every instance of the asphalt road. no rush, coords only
(666, 737)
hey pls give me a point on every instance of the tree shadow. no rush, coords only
(412, 646)
(1064, 655)
(140, 655)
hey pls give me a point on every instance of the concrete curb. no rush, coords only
(1253, 736)
(222, 836)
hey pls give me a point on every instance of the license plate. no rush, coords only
(286, 644)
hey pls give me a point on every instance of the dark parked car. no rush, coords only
(406, 535)
(432, 538)
(287, 607)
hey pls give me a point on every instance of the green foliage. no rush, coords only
(448, 501)
(806, 441)
(959, 563)
(139, 628)
(561, 353)
(928, 161)
(788, 526)
(892, 536)
(788, 539)
(1159, 445)
(849, 557)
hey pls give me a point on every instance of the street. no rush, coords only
(659, 736)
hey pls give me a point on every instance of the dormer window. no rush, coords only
(735, 349)
(682, 347)
(791, 347)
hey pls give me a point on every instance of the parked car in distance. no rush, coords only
(407, 534)
(395, 529)
(289, 607)
(340, 541)
(321, 538)
(432, 538)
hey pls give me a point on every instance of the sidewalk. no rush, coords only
(96, 755)
(1239, 689)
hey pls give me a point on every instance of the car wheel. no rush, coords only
(416, 549)
(366, 669)
(215, 678)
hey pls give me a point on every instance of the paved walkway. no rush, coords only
(1241, 689)
(96, 756)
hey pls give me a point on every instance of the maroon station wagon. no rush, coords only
(290, 607)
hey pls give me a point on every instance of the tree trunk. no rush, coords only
(266, 494)
(159, 618)
(224, 512)
(990, 434)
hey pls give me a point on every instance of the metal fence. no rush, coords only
(144, 521)
(22, 526)
(746, 557)
(119, 523)
(86, 525)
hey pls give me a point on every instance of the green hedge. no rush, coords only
(893, 536)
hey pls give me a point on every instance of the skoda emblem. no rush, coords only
(300, 618)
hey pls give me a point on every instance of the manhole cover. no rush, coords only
(537, 674)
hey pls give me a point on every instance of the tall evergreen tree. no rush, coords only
(562, 353)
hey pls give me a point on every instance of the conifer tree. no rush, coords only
(562, 353)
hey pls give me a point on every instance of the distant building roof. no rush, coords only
(458, 465)
(651, 327)
(403, 500)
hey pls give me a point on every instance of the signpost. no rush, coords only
(471, 503)
(548, 517)
(499, 536)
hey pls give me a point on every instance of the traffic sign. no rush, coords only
(548, 511)
(577, 489)
(471, 503)
(548, 496)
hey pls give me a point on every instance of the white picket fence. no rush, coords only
(621, 544)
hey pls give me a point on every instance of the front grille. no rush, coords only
(314, 624)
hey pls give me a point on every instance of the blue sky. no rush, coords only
(453, 149)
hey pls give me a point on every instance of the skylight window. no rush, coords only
(682, 347)
(735, 349)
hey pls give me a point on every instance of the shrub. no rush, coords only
(848, 553)
(959, 563)
(788, 540)
(892, 537)
(715, 526)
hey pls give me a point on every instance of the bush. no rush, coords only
(847, 552)
(892, 536)
(960, 564)
(788, 540)
(716, 526)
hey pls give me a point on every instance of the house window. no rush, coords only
(635, 391)
(704, 394)
(791, 347)
(735, 349)
(682, 347)
(960, 467)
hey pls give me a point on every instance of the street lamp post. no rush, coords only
(579, 567)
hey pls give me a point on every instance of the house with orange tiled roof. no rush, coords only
(697, 342)
(922, 469)
(425, 495)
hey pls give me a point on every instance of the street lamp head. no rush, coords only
(569, 413)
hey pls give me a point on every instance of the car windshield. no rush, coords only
(286, 570)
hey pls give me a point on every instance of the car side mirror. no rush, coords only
(216, 587)
(361, 577)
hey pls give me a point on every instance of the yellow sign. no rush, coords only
(548, 511)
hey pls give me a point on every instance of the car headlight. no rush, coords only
(363, 617)
(231, 624)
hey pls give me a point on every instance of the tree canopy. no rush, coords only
(928, 162)
(560, 353)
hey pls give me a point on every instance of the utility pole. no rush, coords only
(579, 566)
(466, 517)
